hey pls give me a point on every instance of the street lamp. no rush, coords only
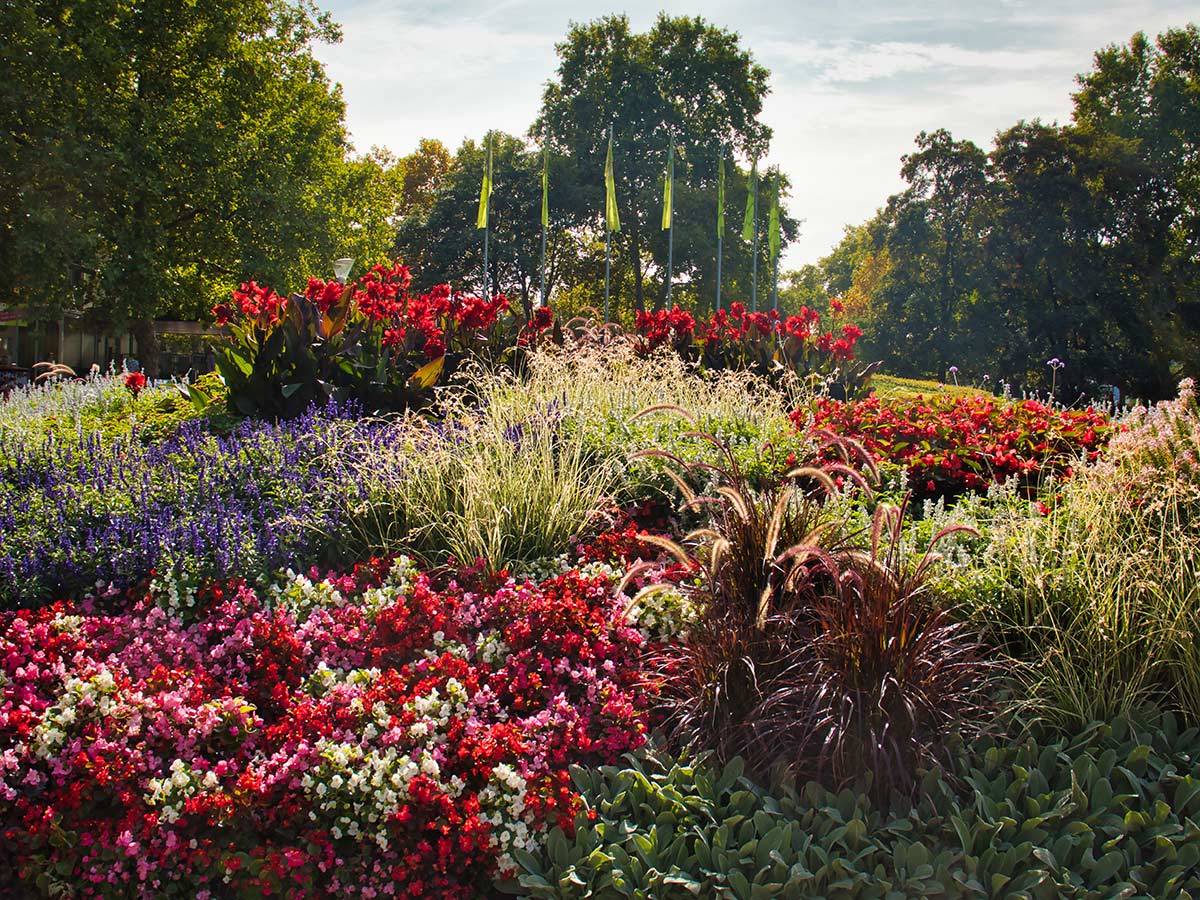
(341, 269)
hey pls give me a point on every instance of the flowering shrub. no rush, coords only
(737, 339)
(946, 445)
(370, 340)
(380, 732)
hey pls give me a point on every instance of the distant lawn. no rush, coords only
(889, 387)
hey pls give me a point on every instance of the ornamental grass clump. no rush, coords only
(474, 488)
(1096, 594)
(805, 650)
(889, 673)
(599, 389)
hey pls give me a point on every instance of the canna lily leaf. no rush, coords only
(428, 374)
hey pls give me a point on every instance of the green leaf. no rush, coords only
(1106, 867)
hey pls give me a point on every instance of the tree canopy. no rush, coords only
(1078, 242)
(684, 81)
(161, 151)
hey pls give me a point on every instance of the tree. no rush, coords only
(372, 203)
(936, 222)
(1148, 94)
(169, 149)
(684, 80)
(424, 169)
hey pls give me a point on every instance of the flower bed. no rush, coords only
(946, 445)
(382, 732)
(370, 341)
(74, 515)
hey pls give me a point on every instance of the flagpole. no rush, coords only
(773, 240)
(719, 274)
(607, 270)
(754, 261)
(750, 232)
(487, 218)
(545, 201)
(671, 220)
(607, 242)
(775, 287)
(720, 219)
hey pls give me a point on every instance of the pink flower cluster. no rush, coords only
(378, 733)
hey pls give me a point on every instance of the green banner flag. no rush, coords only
(612, 217)
(721, 197)
(751, 204)
(669, 187)
(485, 190)
(546, 186)
(773, 226)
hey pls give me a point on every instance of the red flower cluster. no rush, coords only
(429, 323)
(737, 325)
(672, 326)
(804, 325)
(539, 323)
(135, 382)
(948, 445)
(257, 303)
(736, 338)
(381, 294)
(324, 295)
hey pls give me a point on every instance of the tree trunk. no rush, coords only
(639, 294)
(147, 345)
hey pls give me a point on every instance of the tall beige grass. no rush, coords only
(1099, 600)
(516, 469)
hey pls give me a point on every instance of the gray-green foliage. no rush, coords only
(1106, 814)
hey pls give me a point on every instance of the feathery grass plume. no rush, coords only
(48, 371)
(763, 561)
(889, 674)
(808, 650)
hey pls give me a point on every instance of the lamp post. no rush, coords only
(341, 269)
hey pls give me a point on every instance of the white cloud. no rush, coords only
(847, 61)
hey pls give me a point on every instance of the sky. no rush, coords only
(852, 83)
